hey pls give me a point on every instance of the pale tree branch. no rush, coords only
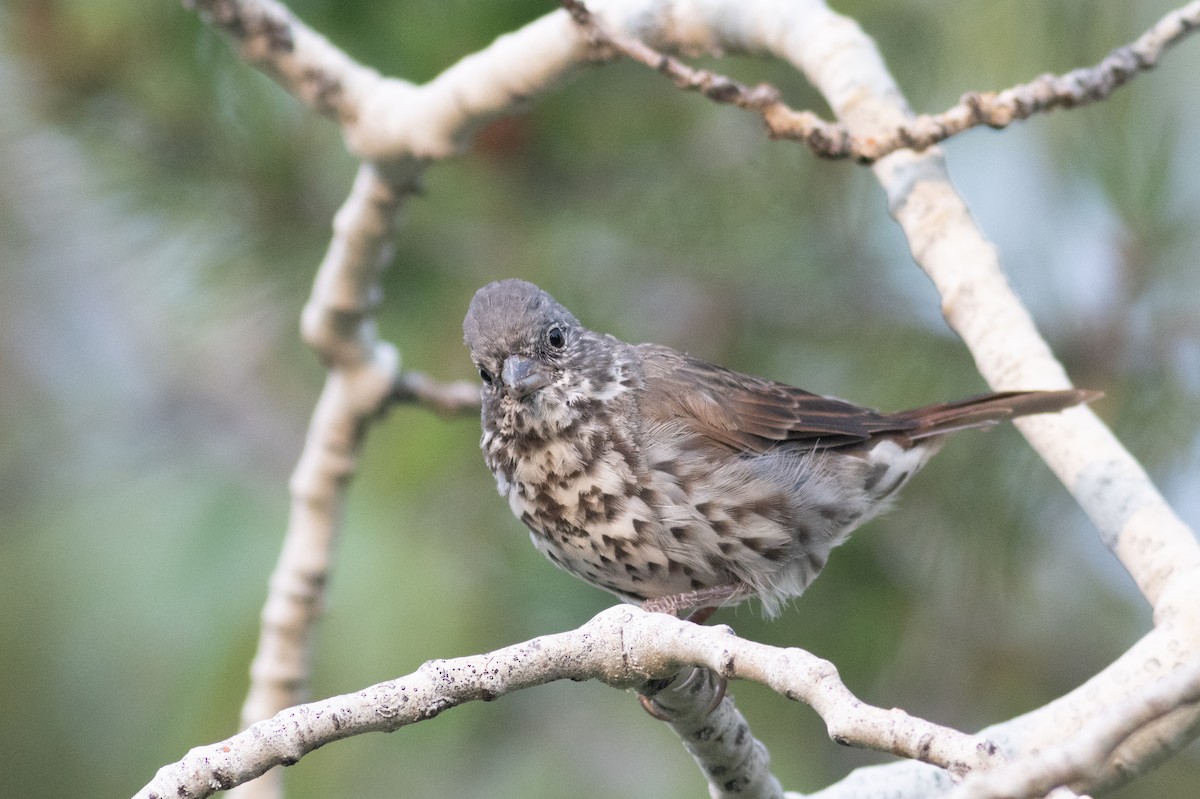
(623, 647)
(397, 128)
(361, 372)
(835, 140)
(716, 734)
(1078, 758)
(304, 62)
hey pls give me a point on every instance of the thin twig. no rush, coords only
(448, 399)
(826, 139)
(833, 140)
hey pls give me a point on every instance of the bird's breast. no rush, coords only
(565, 481)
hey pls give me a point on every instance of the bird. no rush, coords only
(677, 484)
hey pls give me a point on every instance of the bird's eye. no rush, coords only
(485, 375)
(556, 337)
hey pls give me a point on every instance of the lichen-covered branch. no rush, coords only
(623, 647)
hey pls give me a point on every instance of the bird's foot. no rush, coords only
(706, 602)
(702, 599)
(656, 710)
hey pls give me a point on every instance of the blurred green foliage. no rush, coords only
(163, 207)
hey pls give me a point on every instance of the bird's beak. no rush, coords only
(522, 375)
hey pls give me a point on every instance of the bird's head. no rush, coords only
(535, 359)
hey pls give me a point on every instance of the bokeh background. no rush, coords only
(162, 210)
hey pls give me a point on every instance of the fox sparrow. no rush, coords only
(678, 484)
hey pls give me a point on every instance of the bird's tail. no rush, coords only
(987, 410)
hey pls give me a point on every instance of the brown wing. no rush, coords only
(749, 413)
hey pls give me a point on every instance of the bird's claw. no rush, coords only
(657, 711)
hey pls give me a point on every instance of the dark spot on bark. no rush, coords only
(923, 748)
(278, 33)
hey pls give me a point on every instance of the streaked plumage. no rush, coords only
(652, 474)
